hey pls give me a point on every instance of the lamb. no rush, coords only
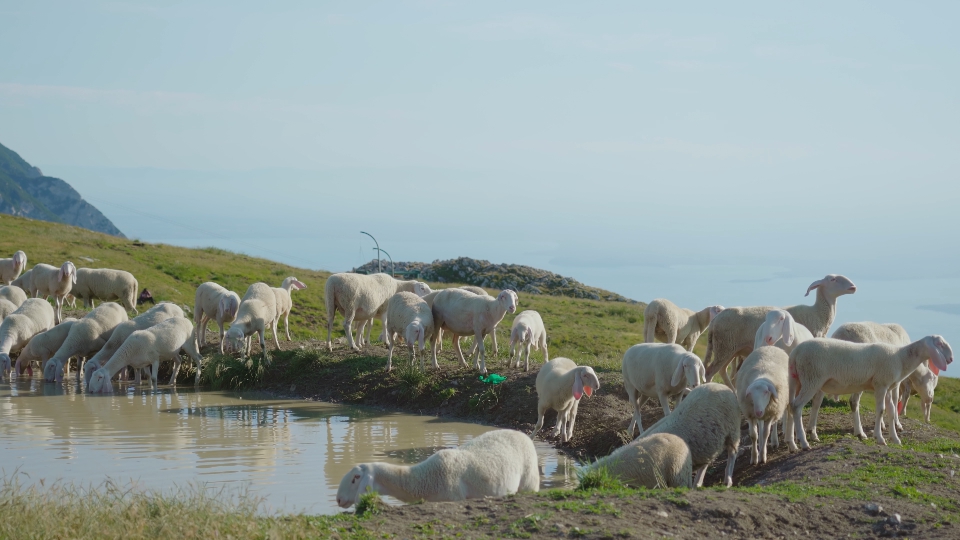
(659, 461)
(359, 297)
(464, 313)
(32, 317)
(13, 294)
(498, 463)
(779, 329)
(257, 313)
(10, 269)
(44, 280)
(106, 284)
(708, 420)
(153, 316)
(660, 370)
(839, 367)
(6, 307)
(664, 320)
(923, 380)
(149, 347)
(762, 390)
(44, 345)
(86, 337)
(733, 330)
(411, 317)
(560, 385)
(285, 302)
(527, 330)
(214, 302)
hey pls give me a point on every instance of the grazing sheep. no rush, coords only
(923, 382)
(149, 347)
(214, 302)
(10, 269)
(6, 307)
(410, 316)
(498, 463)
(733, 330)
(86, 337)
(560, 385)
(153, 316)
(664, 320)
(257, 313)
(106, 284)
(13, 294)
(359, 297)
(660, 370)
(44, 280)
(32, 317)
(708, 420)
(44, 345)
(659, 461)
(527, 330)
(762, 390)
(285, 302)
(465, 313)
(840, 367)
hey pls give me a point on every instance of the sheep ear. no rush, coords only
(703, 372)
(714, 311)
(577, 385)
(677, 374)
(299, 284)
(773, 390)
(814, 285)
(422, 331)
(937, 361)
(365, 482)
(788, 334)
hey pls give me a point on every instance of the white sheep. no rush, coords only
(359, 297)
(560, 385)
(779, 329)
(44, 345)
(498, 463)
(153, 316)
(86, 337)
(708, 420)
(6, 307)
(659, 461)
(923, 381)
(13, 294)
(464, 313)
(839, 367)
(410, 316)
(147, 348)
(763, 392)
(106, 284)
(733, 330)
(257, 314)
(32, 317)
(285, 302)
(214, 302)
(527, 330)
(658, 370)
(664, 320)
(469, 288)
(44, 280)
(10, 269)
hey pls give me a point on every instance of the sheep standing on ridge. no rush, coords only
(664, 320)
(763, 392)
(44, 280)
(527, 330)
(359, 297)
(106, 284)
(560, 385)
(465, 313)
(660, 370)
(10, 269)
(86, 337)
(658, 461)
(285, 302)
(409, 316)
(214, 302)
(153, 316)
(14, 294)
(257, 314)
(498, 463)
(32, 317)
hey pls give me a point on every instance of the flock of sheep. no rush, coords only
(783, 360)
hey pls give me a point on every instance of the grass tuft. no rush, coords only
(224, 372)
(597, 478)
(370, 504)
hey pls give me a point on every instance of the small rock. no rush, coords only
(940, 456)
(873, 508)
(933, 505)
(662, 514)
(894, 520)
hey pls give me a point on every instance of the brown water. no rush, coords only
(292, 453)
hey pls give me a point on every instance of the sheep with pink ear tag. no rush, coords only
(560, 385)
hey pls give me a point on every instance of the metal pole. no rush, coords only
(393, 267)
(378, 249)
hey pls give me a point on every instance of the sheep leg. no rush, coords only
(701, 474)
(635, 401)
(571, 420)
(895, 393)
(855, 409)
(527, 361)
(263, 343)
(890, 398)
(806, 393)
(434, 345)
(176, 371)
(926, 405)
(59, 318)
(754, 452)
(540, 411)
(480, 361)
(905, 397)
(513, 350)
(154, 369)
(458, 350)
(768, 426)
(881, 402)
(286, 325)
(731, 463)
(815, 414)
(496, 348)
(390, 344)
(546, 355)
(221, 336)
(348, 329)
(276, 340)
(136, 375)
(664, 402)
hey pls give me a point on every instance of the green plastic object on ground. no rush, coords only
(492, 378)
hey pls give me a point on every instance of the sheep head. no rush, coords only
(691, 367)
(714, 311)
(585, 381)
(778, 325)
(761, 392)
(67, 271)
(19, 261)
(50, 370)
(421, 289)
(233, 340)
(100, 382)
(228, 306)
(292, 283)
(415, 332)
(508, 301)
(833, 285)
(4, 364)
(354, 484)
(939, 352)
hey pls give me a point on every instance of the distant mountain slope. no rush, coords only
(24, 191)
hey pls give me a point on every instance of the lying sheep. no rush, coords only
(659, 461)
(359, 297)
(410, 316)
(10, 269)
(257, 313)
(14, 294)
(464, 313)
(44, 345)
(708, 420)
(560, 385)
(733, 330)
(664, 320)
(285, 302)
(527, 330)
(923, 382)
(498, 463)
(660, 370)
(44, 280)
(86, 337)
(149, 347)
(214, 302)
(151, 317)
(839, 367)
(762, 390)
(32, 317)
(106, 284)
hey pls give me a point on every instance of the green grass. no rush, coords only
(594, 478)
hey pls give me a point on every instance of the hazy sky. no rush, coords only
(804, 139)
